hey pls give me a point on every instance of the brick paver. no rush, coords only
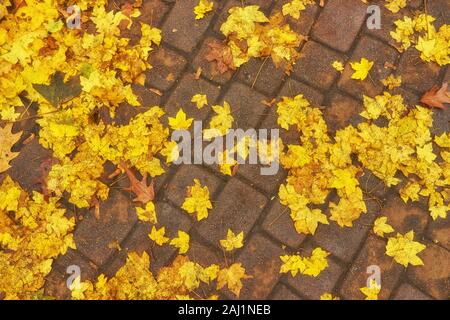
(248, 201)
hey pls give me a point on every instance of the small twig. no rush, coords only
(259, 71)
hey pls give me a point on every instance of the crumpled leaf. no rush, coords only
(437, 97)
(145, 193)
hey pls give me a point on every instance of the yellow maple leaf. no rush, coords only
(328, 296)
(392, 82)
(404, 250)
(372, 291)
(7, 140)
(338, 65)
(380, 227)
(395, 5)
(232, 278)
(220, 123)
(307, 220)
(233, 241)
(242, 21)
(147, 214)
(158, 236)
(439, 211)
(170, 151)
(181, 242)
(197, 201)
(200, 100)
(344, 179)
(180, 122)
(361, 69)
(443, 140)
(203, 7)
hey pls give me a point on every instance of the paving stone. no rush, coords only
(372, 254)
(55, 285)
(152, 11)
(410, 99)
(181, 29)
(342, 111)
(264, 5)
(440, 10)
(441, 120)
(387, 23)
(290, 136)
(281, 292)
(203, 254)
(314, 287)
(27, 167)
(315, 65)
(279, 225)
(302, 25)
(95, 236)
(417, 75)
(254, 174)
(340, 19)
(262, 74)
(447, 75)
(166, 68)
(408, 292)
(293, 88)
(176, 190)
(434, 276)
(209, 69)
(439, 230)
(237, 207)
(56, 281)
(246, 105)
(405, 217)
(261, 259)
(182, 96)
(73, 258)
(373, 186)
(375, 51)
(172, 219)
(345, 242)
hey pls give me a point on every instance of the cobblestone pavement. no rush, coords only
(249, 201)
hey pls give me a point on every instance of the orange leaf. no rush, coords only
(143, 192)
(436, 97)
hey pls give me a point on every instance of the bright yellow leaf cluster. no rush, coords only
(311, 266)
(294, 7)
(203, 7)
(135, 281)
(33, 232)
(250, 34)
(395, 5)
(421, 33)
(404, 249)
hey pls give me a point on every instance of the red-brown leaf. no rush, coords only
(436, 97)
(144, 193)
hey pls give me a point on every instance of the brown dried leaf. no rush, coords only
(436, 97)
(143, 192)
